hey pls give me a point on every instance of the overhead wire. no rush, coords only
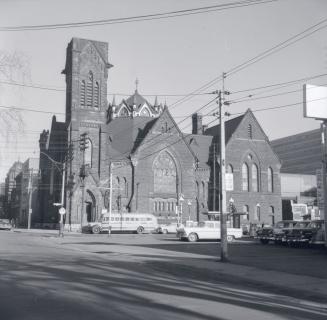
(147, 17)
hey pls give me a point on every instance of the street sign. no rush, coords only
(315, 101)
(62, 211)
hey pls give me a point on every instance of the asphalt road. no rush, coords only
(135, 277)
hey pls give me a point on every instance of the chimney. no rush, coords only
(197, 123)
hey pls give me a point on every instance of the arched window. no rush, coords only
(197, 190)
(96, 95)
(255, 178)
(82, 94)
(245, 177)
(250, 134)
(246, 211)
(270, 180)
(257, 212)
(88, 154)
(125, 187)
(89, 90)
(165, 174)
(203, 190)
(272, 214)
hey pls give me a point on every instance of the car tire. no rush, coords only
(192, 237)
(139, 230)
(230, 238)
(264, 241)
(164, 231)
(96, 229)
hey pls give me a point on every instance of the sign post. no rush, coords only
(62, 212)
(315, 106)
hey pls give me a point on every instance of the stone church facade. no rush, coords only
(155, 167)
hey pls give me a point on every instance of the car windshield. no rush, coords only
(4, 221)
(301, 225)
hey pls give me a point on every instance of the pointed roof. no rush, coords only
(230, 127)
(137, 100)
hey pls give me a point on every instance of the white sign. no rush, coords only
(314, 101)
(299, 210)
(229, 180)
(62, 211)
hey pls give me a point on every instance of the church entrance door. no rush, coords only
(90, 207)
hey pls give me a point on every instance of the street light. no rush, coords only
(181, 199)
(189, 203)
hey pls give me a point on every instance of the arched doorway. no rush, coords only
(90, 207)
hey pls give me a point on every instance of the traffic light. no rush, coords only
(83, 141)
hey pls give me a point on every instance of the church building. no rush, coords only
(156, 168)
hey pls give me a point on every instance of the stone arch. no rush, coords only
(90, 206)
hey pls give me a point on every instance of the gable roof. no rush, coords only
(180, 134)
(200, 144)
(230, 127)
(125, 134)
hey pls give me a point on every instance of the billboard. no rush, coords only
(314, 101)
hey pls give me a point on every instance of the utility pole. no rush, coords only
(110, 199)
(30, 194)
(222, 189)
(324, 169)
(214, 177)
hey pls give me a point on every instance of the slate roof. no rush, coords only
(125, 134)
(230, 127)
(200, 145)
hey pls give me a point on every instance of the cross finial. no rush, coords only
(136, 84)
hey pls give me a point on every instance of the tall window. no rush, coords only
(255, 178)
(203, 190)
(245, 177)
(89, 90)
(270, 180)
(272, 214)
(82, 93)
(257, 212)
(246, 211)
(96, 95)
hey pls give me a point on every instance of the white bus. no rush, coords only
(136, 222)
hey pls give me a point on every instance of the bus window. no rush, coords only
(136, 219)
(142, 219)
(112, 219)
(126, 219)
(117, 218)
(148, 219)
(132, 219)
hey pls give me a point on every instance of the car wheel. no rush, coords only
(192, 237)
(96, 229)
(264, 241)
(164, 231)
(230, 238)
(139, 230)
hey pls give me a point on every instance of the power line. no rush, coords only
(280, 83)
(31, 110)
(154, 16)
(250, 97)
(282, 45)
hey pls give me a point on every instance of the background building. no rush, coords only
(301, 162)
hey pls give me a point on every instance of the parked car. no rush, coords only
(169, 227)
(5, 224)
(207, 230)
(307, 232)
(265, 234)
(281, 229)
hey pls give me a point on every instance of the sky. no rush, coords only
(169, 57)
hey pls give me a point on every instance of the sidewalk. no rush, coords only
(196, 266)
